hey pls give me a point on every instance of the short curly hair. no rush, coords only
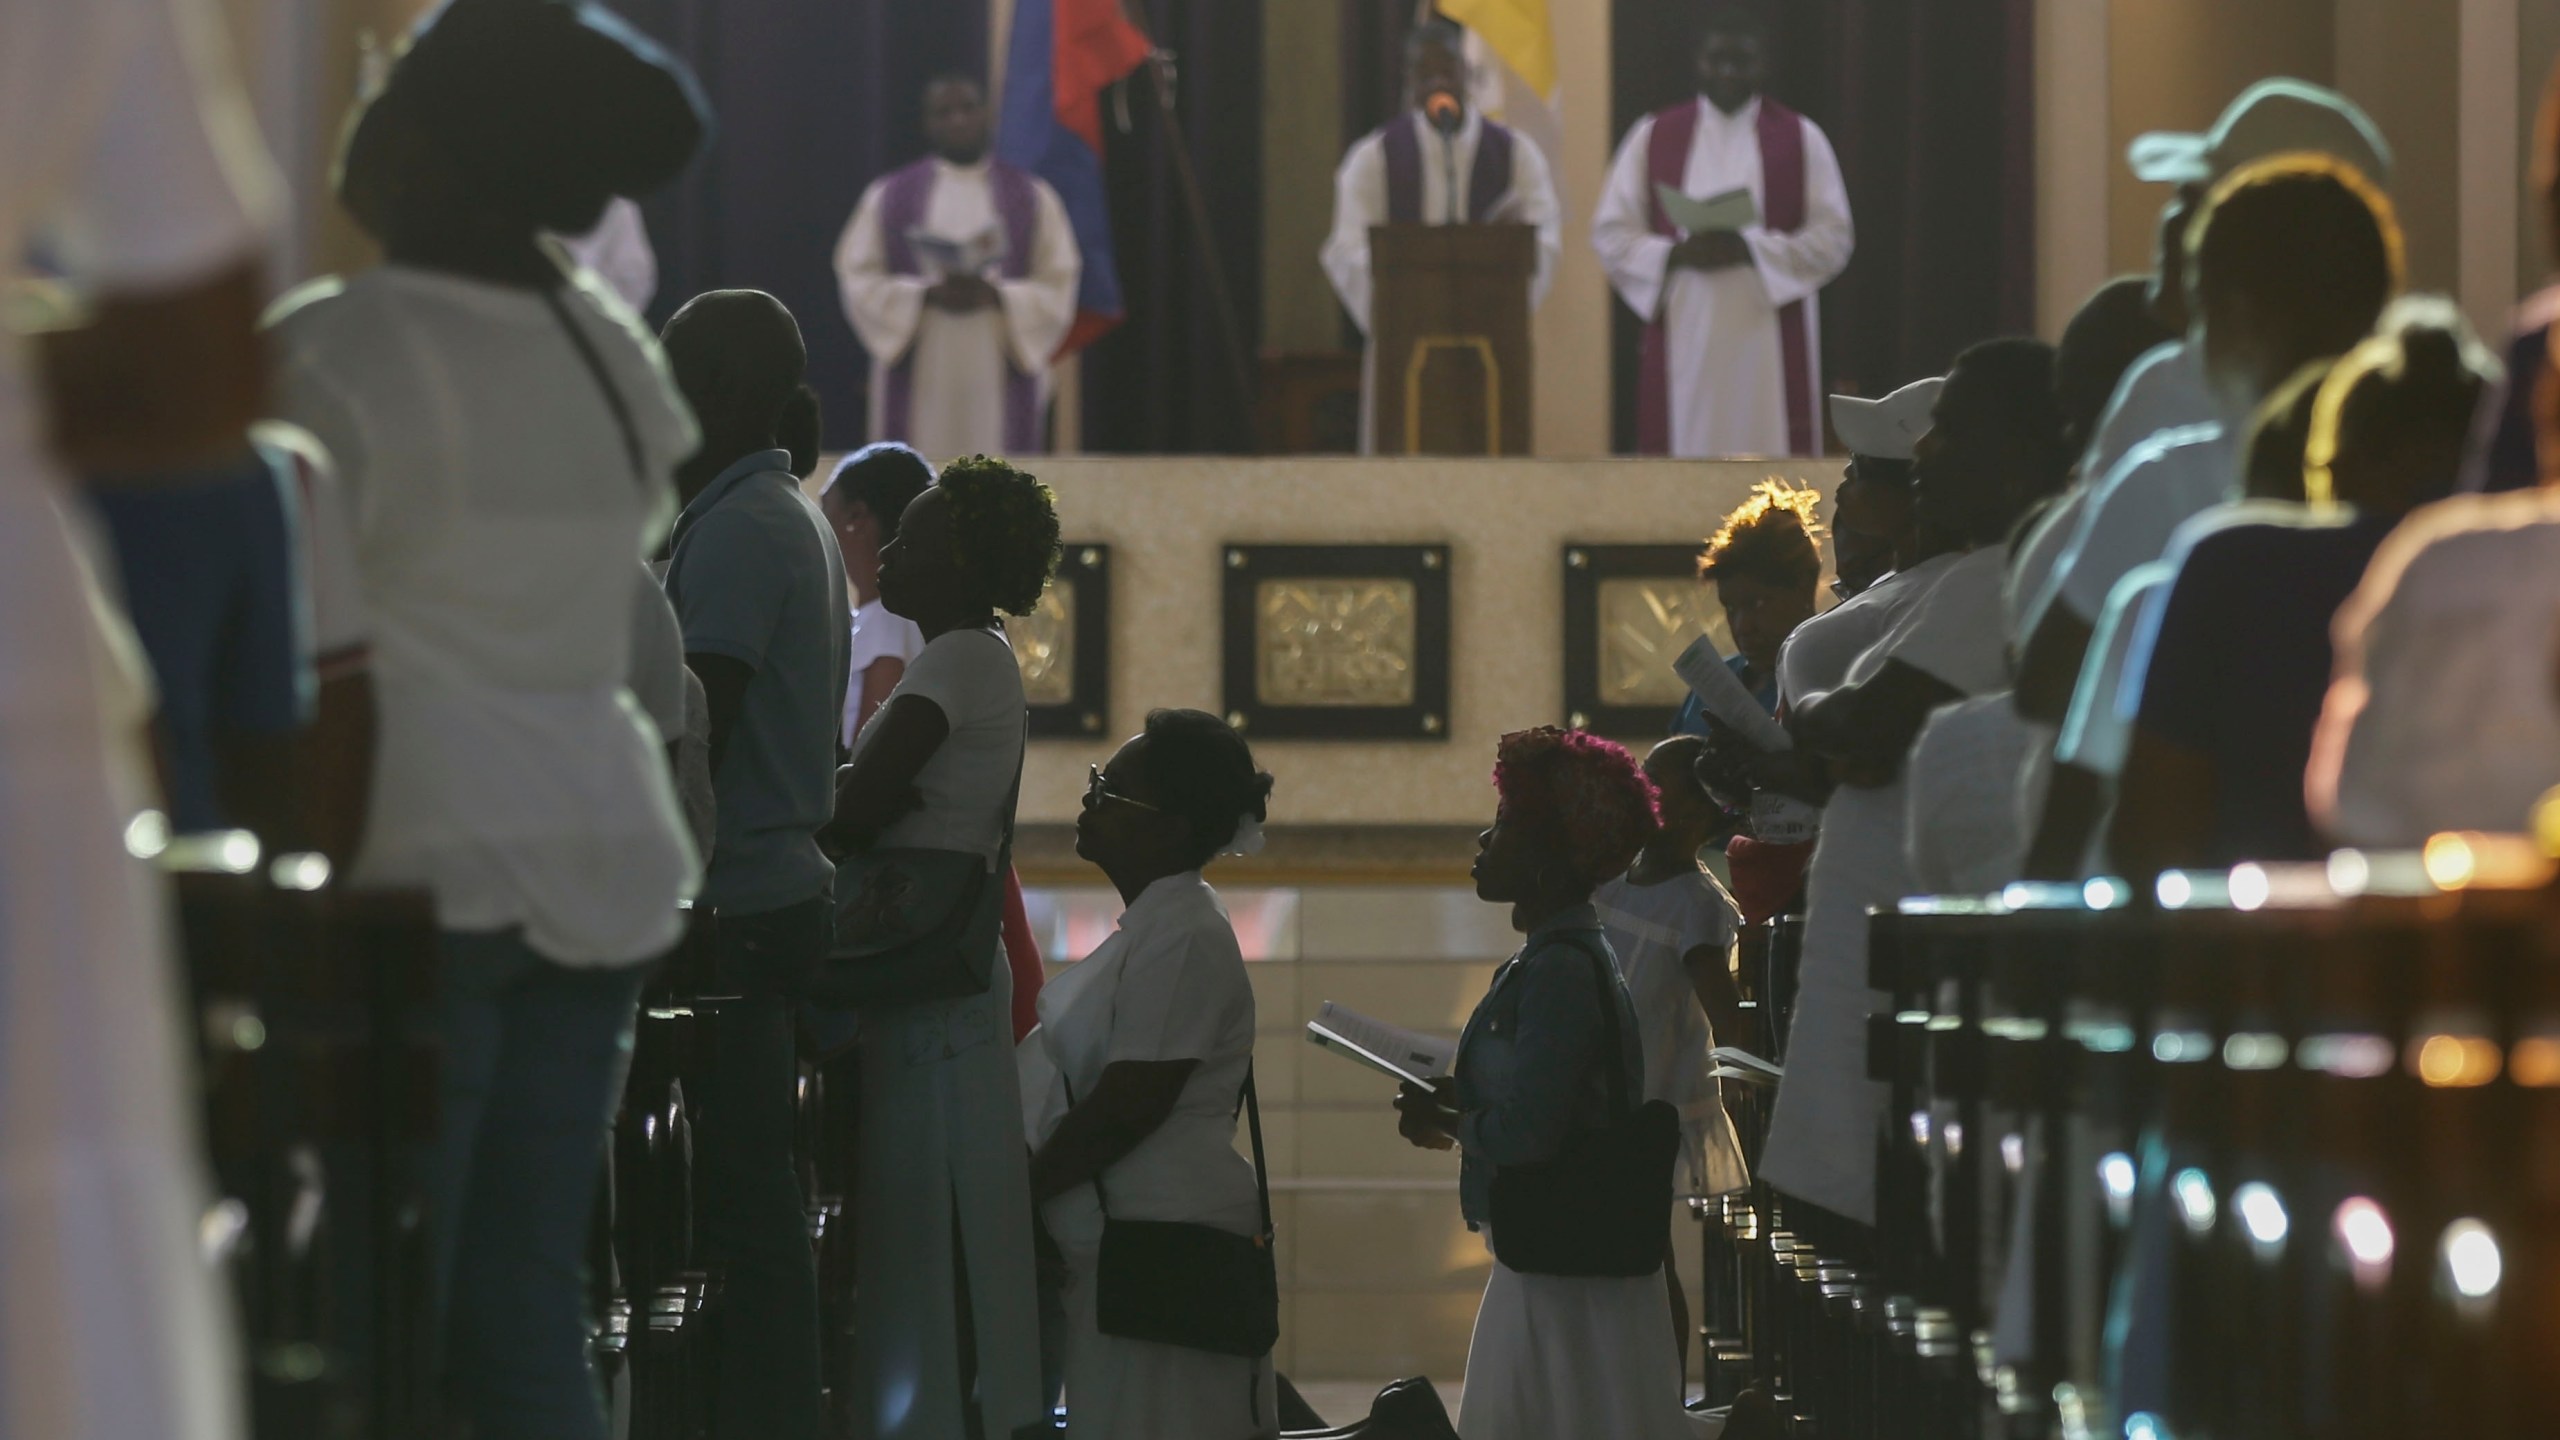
(1774, 537)
(1004, 530)
(1588, 796)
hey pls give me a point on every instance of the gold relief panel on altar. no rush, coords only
(1064, 647)
(1343, 642)
(1629, 611)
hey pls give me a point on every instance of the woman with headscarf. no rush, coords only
(1136, 1072)
(944, 1208)
(508, 436)
(1554, 1354)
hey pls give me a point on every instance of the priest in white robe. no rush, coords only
(1732, 361)
(959, 274)
(1441, 162)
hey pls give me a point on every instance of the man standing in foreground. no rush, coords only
(1732, 363)
(959, 274)
(759, 585)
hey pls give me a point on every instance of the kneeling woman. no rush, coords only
(1555, 1356)
(1134, 1076)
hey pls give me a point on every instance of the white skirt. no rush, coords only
(1137, 1390)
(1572, 1357)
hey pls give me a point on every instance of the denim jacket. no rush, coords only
(1528, 1071)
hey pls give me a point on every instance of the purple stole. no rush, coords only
(903, 198)
(1781, 209)
(1488, 179)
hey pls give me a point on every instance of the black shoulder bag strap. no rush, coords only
(585, 345)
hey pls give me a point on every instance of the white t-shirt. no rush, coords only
(2446, 711)
(2133, 513)
(1963, 835)
(1652, 929)
(877, 635)
(338, 632)
(971, 677)
(498, 521)
(1822, 1134)
(2163, 390)
(1818, 653)
(2030, 580)
(657, 657)
(2098, 729)
(1949, 630)
(1168, 985)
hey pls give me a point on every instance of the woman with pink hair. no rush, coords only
(1546, 1107)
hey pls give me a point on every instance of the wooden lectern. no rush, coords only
(1449, 338)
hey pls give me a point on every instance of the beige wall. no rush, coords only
(1572, 333)
(2399, 59)
(2176, 63)
(1166, 520)
(1301, 124)
(2451, 83)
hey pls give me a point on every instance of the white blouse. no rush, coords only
(1168, 985)
(973, 679)
(499, 518)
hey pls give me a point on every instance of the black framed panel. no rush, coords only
(1065, 648)
(1336, 642)
(1629, 610)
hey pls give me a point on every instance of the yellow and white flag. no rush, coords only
(1516, 30)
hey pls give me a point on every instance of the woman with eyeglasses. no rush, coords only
(943, 1201)
(1136, 1072)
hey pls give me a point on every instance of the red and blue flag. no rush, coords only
(1063, 55)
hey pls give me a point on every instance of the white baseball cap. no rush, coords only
(1890, 428)
(2272, 117)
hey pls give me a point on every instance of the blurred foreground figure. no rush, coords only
(126, 166)
(509, 436)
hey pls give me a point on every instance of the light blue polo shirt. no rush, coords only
(757, 577)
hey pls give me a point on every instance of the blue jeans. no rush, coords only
(534, 1059)
(755, 1220)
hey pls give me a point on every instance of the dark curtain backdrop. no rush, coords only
(1163, 381)
(1931, 109)
(816, 98)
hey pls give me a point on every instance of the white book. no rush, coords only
(1701, 667)
(1696, 215)
(1387, 1049)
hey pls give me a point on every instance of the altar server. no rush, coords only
(959, 274)
(1441, 162)
(1732, 361)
